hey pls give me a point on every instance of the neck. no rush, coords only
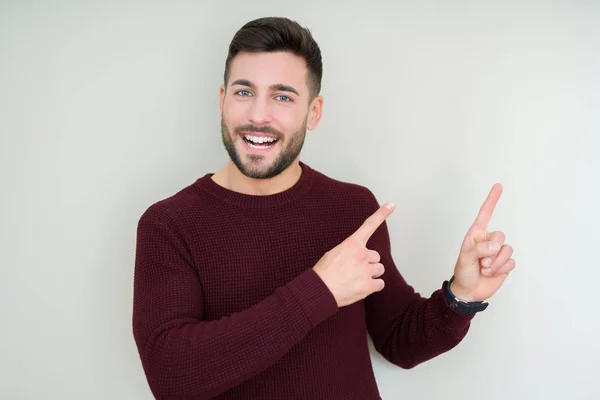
(231, 178)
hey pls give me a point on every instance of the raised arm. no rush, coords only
(406, 328)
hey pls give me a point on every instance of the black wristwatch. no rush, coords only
(464, 307)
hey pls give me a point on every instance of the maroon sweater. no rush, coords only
(227, 305)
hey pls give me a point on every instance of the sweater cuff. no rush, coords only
(314, 297)
(451, 319)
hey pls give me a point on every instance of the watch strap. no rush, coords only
(461, 306)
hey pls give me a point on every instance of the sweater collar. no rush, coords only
(301, 187)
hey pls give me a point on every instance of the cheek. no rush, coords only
(233, 114)
(290, 120)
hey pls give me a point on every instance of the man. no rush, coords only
(263, 280)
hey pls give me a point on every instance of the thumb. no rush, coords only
(468, 249)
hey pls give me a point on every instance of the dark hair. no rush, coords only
(279, 34)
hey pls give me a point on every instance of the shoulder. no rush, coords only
(169, 211)
(348, 193)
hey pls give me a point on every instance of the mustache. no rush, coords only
(264, 129)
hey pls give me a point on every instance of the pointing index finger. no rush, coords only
(364, 232)
(487, 209)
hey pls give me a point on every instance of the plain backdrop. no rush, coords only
(108, 107)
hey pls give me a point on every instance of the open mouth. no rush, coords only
(259, 142)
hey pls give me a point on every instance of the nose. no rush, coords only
(259, 112)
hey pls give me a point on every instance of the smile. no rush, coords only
(259, 142)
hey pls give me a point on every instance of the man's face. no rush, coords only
(266, 98)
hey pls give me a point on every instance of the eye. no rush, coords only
(283, 98)
(243, 92)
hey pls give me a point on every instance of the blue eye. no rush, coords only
(284, 98)
(243, 92)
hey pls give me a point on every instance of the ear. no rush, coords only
(314, 113)
(221, 97)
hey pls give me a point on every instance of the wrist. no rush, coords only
(461, 302)
(460, 294)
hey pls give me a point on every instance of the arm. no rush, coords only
(406, 328)
(183, 355)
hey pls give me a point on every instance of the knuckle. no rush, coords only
(375, 271)
(376, 256)
(486, 248)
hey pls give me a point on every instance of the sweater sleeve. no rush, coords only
(184, 356)
(406, 328)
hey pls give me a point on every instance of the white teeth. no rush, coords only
(257, 139)
(259, 147)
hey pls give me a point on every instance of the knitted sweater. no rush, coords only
(227, 306)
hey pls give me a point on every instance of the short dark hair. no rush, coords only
(273, 34)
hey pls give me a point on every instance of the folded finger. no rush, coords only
(496, 236)
(502, 257)
(507, 267)
(373, 256)
(377, 270)
(488, 249)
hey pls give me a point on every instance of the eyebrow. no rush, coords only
(277, 86)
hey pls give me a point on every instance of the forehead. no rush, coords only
(267, 68)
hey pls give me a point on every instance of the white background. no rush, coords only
(107, 107)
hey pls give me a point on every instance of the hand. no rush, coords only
(482, 268)
(350, 269)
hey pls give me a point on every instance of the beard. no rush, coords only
(254, 165)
